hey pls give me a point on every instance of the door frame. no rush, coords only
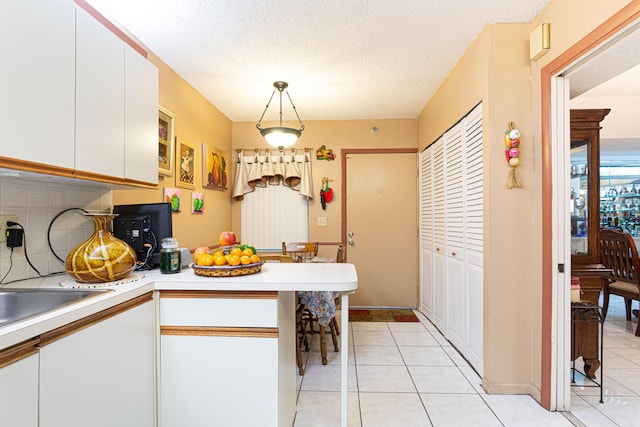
(553, 398)
(344, 152)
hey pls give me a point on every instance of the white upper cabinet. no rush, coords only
(141, 118)
(37, 81)
(76, 99)
(99, 98)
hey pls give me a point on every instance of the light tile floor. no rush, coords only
(405, 375)
(621, 370)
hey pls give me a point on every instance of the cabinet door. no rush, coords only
(99, 98)
(141, 120)
(102, 375)
(475, 339)
(426, 232)
(474, 224)
(218, 381)
(456, 306)
(439, 237)
(37, 81)
(19, 393)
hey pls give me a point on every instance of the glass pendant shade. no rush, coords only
(280, 136)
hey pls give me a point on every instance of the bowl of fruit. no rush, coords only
(227, 261)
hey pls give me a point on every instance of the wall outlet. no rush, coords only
(322, 221)
(3, 226)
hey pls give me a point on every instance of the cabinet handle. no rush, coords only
(437, 249)
(453, 254)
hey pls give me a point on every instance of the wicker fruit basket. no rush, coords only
(227, 270)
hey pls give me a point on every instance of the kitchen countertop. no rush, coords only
(273, 277)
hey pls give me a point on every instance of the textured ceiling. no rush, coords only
(343, 59)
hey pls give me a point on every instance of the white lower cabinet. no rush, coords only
(227, 359)
(102, 373)
(19, 392)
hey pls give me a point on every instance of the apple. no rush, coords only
(227, 238)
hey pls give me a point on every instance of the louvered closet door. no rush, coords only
(426, 232)
(474, 212)
(451, 235)
(456, 298)
(439, 239)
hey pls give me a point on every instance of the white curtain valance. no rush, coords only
(290, 167)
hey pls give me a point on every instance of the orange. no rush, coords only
(254, 259)
(247, 252)
(236, 251)
(218, 253)
(245, 260)
(205, 259)
(220, 260)
(234, 260)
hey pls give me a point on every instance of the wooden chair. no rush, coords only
(618, 252)
(304, 252)
(300, 251)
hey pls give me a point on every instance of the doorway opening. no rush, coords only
(587, 63)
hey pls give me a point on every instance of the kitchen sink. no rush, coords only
(20, 304)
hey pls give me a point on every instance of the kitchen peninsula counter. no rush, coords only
(191, 312)
(280, 277)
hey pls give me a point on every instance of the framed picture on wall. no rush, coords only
(165, 141)
(215, 167)
(185, 163)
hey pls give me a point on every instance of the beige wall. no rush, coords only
(401, 133)
(496, 70)
(197, 121)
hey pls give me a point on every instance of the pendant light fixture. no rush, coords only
(280, 136)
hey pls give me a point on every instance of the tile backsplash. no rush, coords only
(40, 207)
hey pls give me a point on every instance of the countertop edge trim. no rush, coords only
(18, 352)
(214, 331)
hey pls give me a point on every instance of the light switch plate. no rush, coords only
(322, 221)
(3, 226)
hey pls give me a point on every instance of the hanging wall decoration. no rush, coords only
(197, 203)
(324, 153)
(215, 167)
(165, 142)
(185, 164)
(326, 193)
(512, 154)
(172, 196)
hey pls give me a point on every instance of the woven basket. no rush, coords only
(227, 270)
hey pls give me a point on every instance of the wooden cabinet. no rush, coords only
(77, 100)
(585, 225)
(585, 185)
(226, 358)
(451, 230)
(19, 385)
(100, 371)
(37, 83)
